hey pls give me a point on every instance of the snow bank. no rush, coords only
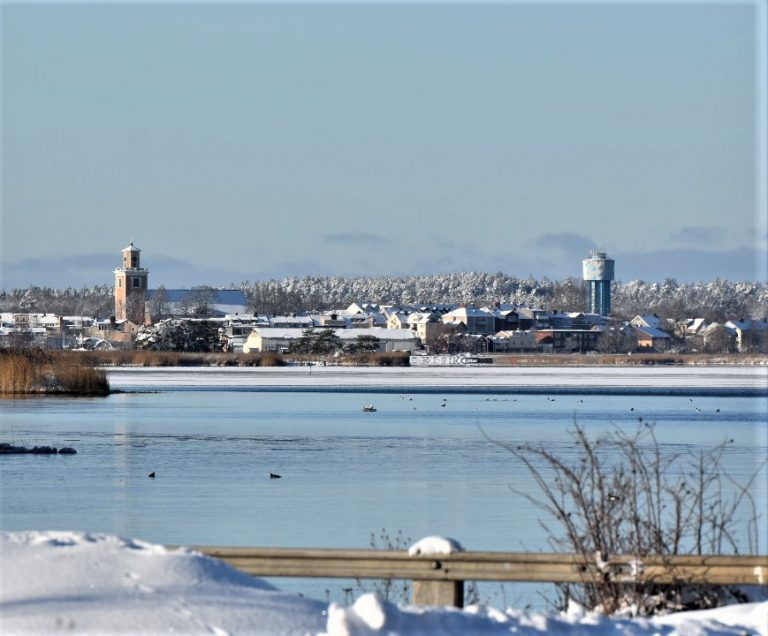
(102, 584)
(370, 616)
(429, 546)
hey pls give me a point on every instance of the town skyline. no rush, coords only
(253, 141)
(47, 279)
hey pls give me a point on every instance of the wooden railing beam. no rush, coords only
(442, 577)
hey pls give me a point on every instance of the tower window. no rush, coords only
(136, 281)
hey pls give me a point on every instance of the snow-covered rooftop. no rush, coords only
(352, 333)
(648, 320)
(471, 310)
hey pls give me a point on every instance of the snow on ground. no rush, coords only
(52, 582)
(732, 377)
(429, 546)
(94, 583)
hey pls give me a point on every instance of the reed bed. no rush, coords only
(60, 372)
(264, 359)
(184, 359)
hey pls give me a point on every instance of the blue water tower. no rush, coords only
(598, 275)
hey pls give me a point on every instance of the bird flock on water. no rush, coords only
(444, 403)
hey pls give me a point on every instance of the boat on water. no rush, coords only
(369, 408)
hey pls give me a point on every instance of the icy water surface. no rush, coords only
(421, 463)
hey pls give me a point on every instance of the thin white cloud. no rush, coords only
(357, 238)
(696, 235)
(567, 242)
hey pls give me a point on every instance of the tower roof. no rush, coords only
(131, 248)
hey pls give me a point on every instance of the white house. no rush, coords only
(476, 320)
(694, 326)
(279, 340)
(751, 335)
(397, 320)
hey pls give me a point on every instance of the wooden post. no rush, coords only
(438, 593)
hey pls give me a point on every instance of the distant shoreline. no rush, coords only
(165, 359)
(632, 359)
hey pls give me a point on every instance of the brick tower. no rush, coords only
(131, 287)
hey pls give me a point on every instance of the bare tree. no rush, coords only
(159, 304)
(199, 302)
(616, 338)
(720, 340)
(569, 295)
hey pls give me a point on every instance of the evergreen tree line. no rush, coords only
(85, 301)
(715, 300)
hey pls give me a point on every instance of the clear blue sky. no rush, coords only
(247, 141)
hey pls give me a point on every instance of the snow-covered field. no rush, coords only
(516, 378)
(54, 582)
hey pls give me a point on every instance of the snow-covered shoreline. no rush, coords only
(102, 584)
(752, 380)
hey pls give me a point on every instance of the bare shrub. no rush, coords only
(378, 359)
(623, 494)
(395, 590)
(271, 359)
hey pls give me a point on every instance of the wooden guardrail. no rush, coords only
(439, 580)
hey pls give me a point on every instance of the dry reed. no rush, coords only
(37, 371)
(150, 358)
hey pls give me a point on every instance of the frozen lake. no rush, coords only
(656, 379)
